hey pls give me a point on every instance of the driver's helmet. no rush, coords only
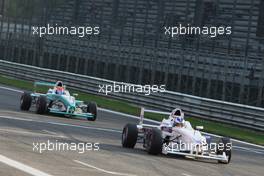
(178, 116)
(59, 88)
(59, 84)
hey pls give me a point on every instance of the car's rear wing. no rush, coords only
(38, 84)
(142, 112)
(49, 84)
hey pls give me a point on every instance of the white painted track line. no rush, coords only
(62, 124)
(10, 89)
(31, 133)
(258, 151)
(127, 115)
(102, 170)
(22, 167)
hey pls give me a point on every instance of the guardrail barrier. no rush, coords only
(230, 113)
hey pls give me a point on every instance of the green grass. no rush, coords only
(125, 107)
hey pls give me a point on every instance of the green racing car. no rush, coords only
(57, 101)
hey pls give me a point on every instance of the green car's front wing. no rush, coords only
(74, 114)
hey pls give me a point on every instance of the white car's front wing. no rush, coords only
(196, 156)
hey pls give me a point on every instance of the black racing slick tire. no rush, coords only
(25, 101)
(92, 108)
(129, 136)
(227, 149)
(41, 105)
(154, 142)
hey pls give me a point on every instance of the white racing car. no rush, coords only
(175, 136)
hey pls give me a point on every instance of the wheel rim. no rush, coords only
(124, 135)
(21, 101)
(149, 141)
(37, 104)
(228, 158)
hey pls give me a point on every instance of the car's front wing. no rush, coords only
(190, 154)
(74, 114)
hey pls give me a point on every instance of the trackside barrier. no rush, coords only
(224, 112)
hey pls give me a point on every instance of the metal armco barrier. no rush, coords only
(222, 112)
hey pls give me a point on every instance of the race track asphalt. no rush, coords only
(19, 130)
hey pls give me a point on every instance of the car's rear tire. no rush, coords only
(129, 136)
(92, 108)
(41, 105)
(25, 101)
(154, 142)
(225, 141)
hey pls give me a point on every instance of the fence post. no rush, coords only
(3, 8)
(261, 86)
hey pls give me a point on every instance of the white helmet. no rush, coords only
(59, 84)
(177, 115)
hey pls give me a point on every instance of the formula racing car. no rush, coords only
(58, 101)
(175, 136)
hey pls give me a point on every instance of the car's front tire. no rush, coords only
(154, 142)
(129, 136)
(92, 108)
(25, 101)
(41, 105)
(225, 141)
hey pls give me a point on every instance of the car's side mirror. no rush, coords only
(75, 95)
(199, 127)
